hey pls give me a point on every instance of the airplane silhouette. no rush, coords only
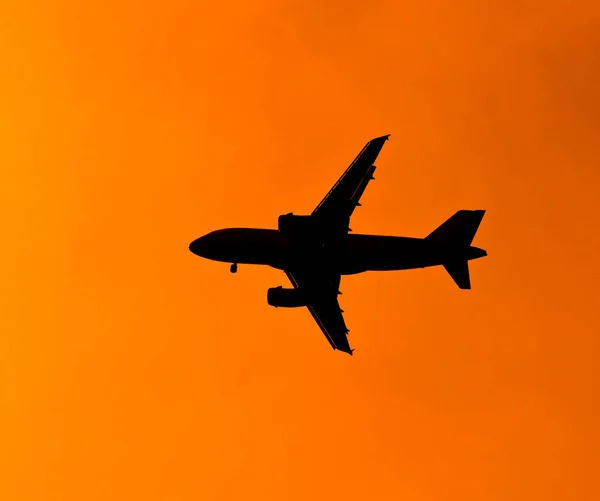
(315, 250)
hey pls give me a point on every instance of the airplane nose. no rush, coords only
(198, 246)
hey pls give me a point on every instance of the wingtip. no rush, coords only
(480, 213)
(384, 138)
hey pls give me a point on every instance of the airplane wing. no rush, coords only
(344, 197)
(324, 308)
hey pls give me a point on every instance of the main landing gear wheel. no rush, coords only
(233, 268)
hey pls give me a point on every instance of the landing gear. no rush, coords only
(233, 268)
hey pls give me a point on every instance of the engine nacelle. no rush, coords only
(285, 298)
(292, 225)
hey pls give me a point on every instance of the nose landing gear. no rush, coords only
(233, 268)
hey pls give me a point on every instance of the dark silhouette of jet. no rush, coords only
(315, 251)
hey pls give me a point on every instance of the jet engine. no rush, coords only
(290, 224)
(285, 298)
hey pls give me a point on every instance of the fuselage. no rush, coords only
(356, 253)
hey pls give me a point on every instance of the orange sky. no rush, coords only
(130, 128)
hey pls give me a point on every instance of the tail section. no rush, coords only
(459, 230)
(456, 234)
(459, 271)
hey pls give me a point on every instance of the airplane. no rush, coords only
(316, 250)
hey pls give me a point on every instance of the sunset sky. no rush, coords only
(131, 369)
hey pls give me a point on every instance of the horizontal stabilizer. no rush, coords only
(459, 271)
(459, 230)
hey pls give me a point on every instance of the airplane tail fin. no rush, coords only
(459, 230)
(458, 233)
(459, 271)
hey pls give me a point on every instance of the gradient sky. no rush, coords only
(132, 369)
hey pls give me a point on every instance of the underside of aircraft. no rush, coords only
(315, 250)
